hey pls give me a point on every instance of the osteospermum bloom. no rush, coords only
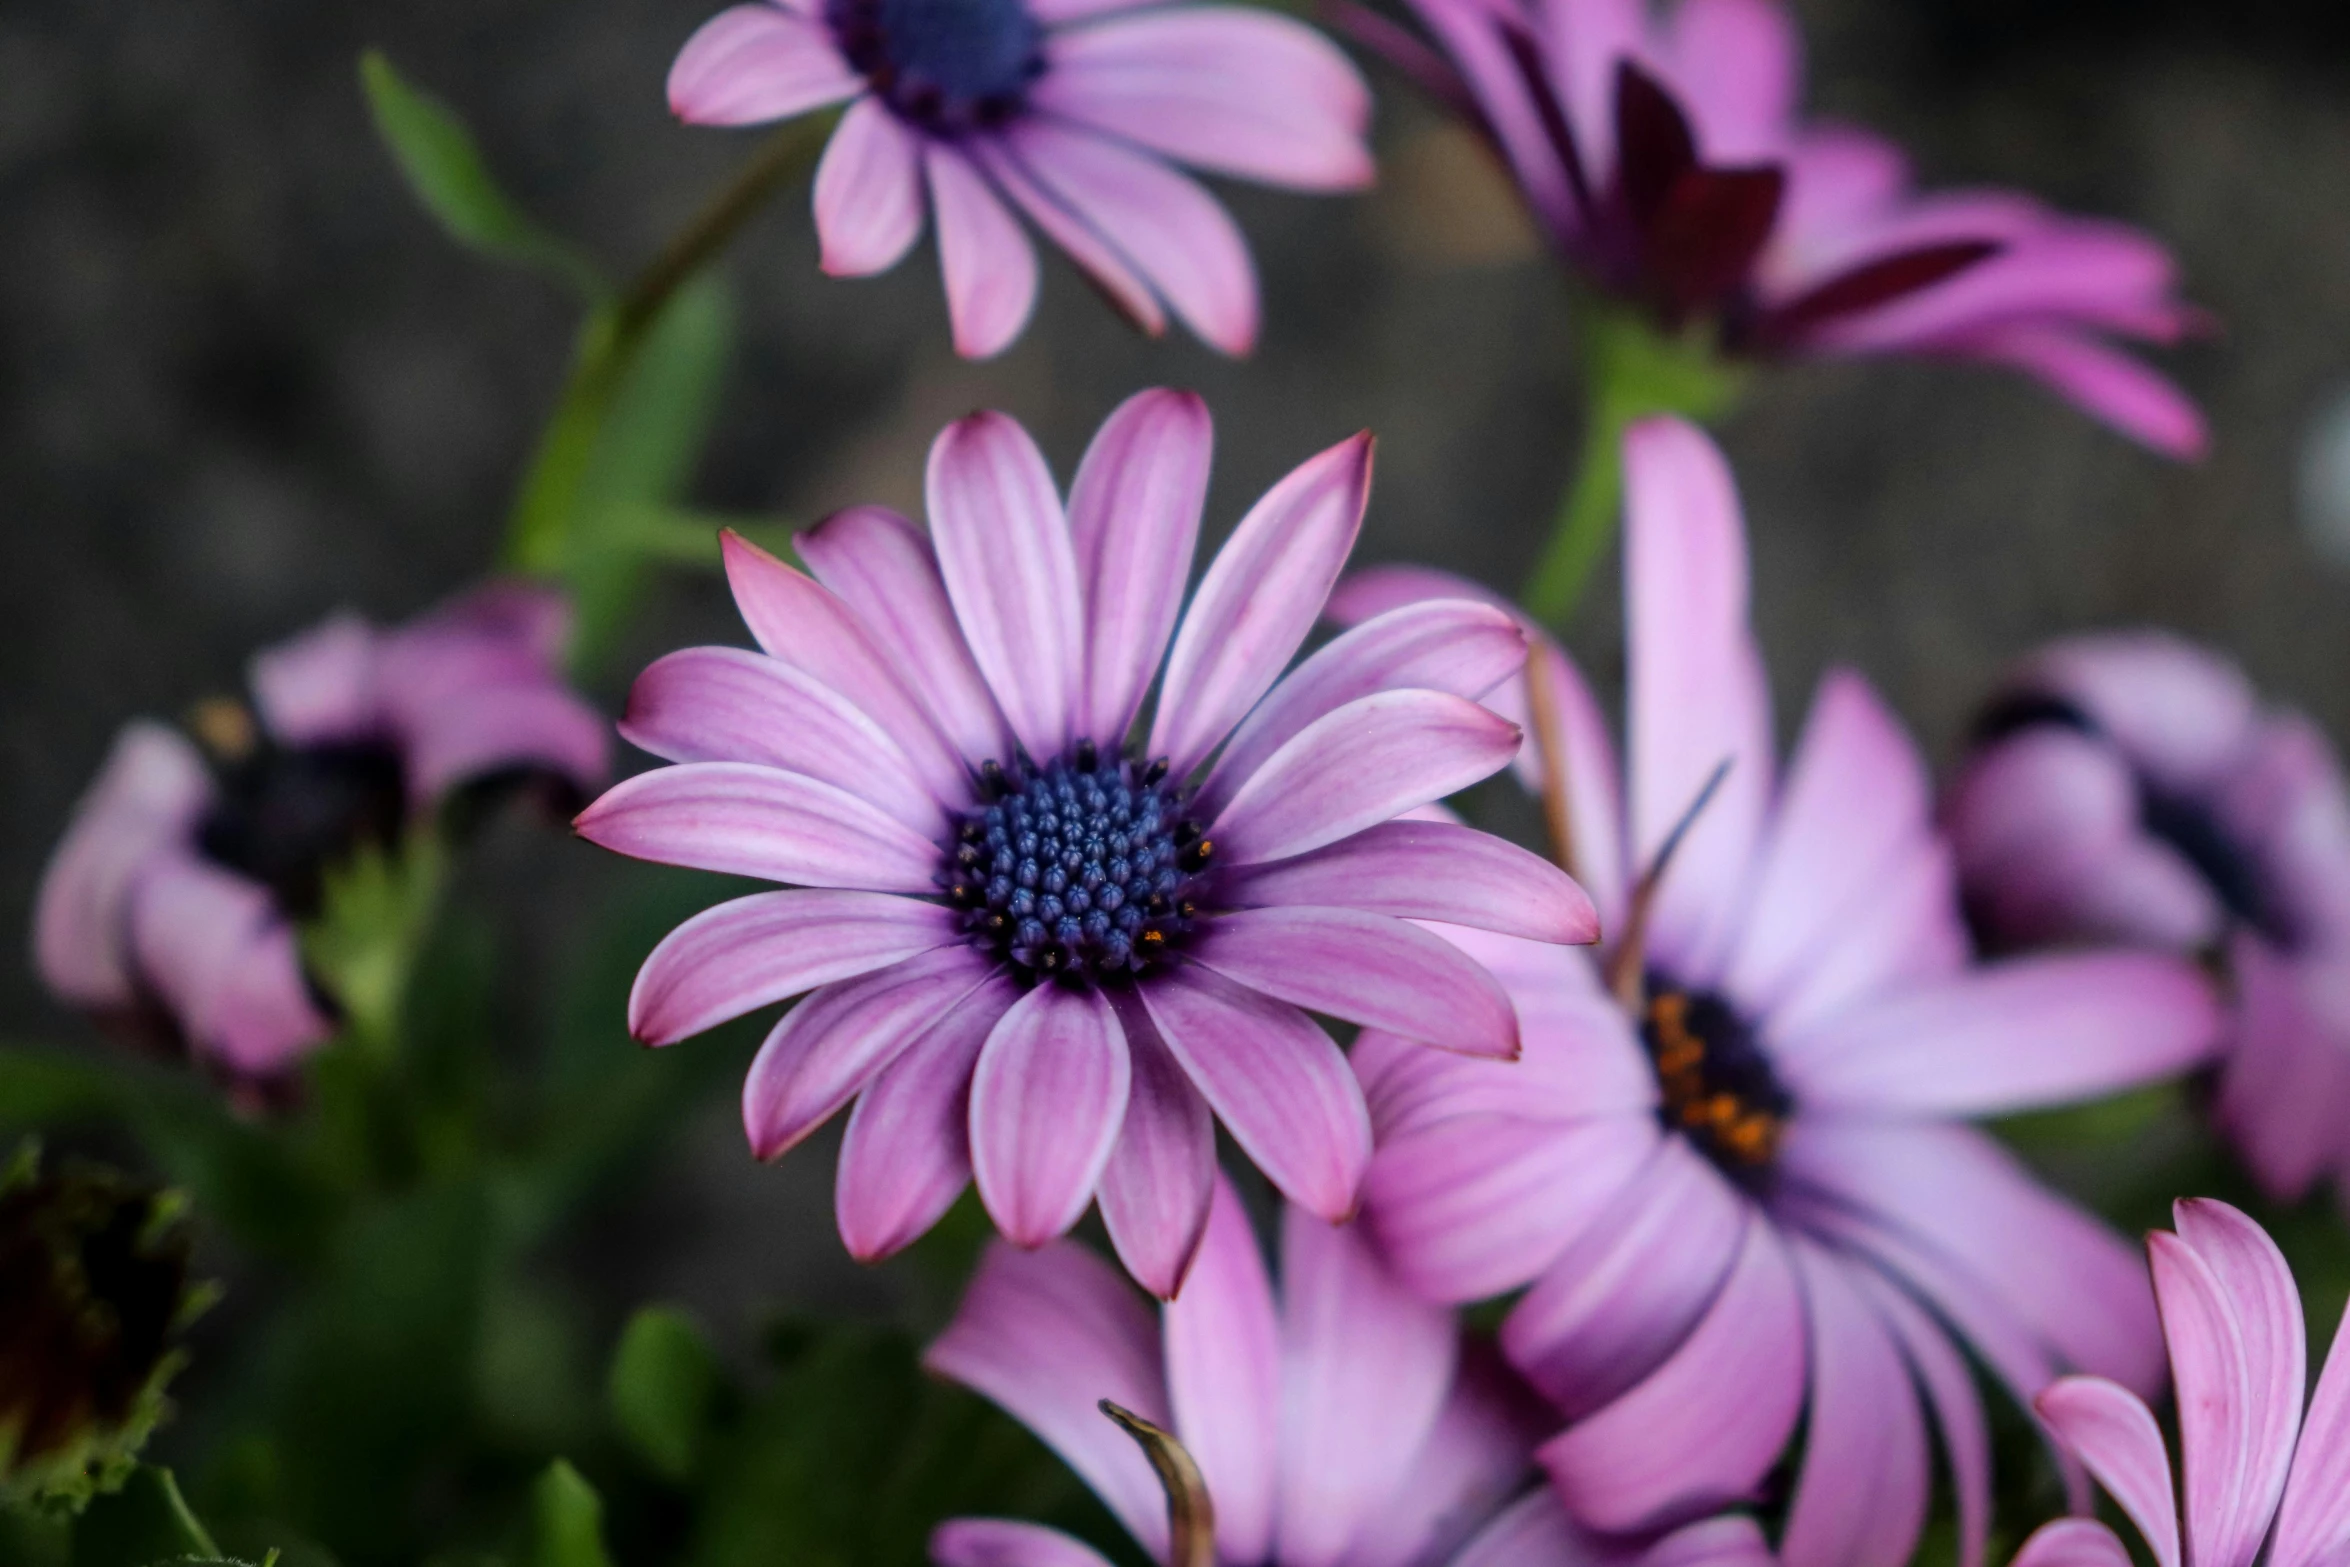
(177, 891)
(1731, 1163)
(1346, 1424)
(1065, 111)
(2131, 787)
(2257, 1472)
(1041, 955)
(1663, 157)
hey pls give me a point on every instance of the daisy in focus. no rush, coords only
(1732, 1169)
(177, 894)
(2258, 1471)
(1049, 940)
(2130, 787)
(1068, 113)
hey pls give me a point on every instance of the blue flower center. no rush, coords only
(1082, 867)
(947, 66)
(283, 815)
(1718, 1087)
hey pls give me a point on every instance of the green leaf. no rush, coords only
(145, 1522)
(566, 1521)
(664, 1389)
(445, 169)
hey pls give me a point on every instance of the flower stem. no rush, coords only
(1630, 371)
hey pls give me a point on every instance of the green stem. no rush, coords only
(1630, 370)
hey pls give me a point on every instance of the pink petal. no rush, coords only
(1004, 548)
(1696, 691)
(1705, 1428)
(751, 63)
(518, 726)
(1454, 646)
(2284, 1087)
(831, 1045)
(868, 192)
(1910, 937)
(1428, 871)
(2073, 1542)
(1366, 763)
(1278, 1083)
(319, 686)
(2313, 1525)
(1155, 1189)
(883, 569)
(2114, 1432)
(1049, 1334)
(1237, 91)
(1365, 968)
(907, 1154)
(1047, 1102)
(216, 949)
(1630, 1287)
(1134, 516)
(2102, 382)
(1739, 66)
(1860, 1499)
(1366, 1367)
(2012, 1036)
(149, 794)
(755, 951)
(1595, 805)
(1958, 1409)
(2182, 713)
(1224, 1378)
(1104, 265)
(1005, 1542)
(728, 704)
(1731, 1540)
(986, 261)
(1475, 1456)
(1258, 600)
(755, 821)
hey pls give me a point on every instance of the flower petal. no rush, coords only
(534, 726)
(2114, 1433)
(1007, 177)
(752, 63)
(217, 950)
(1155, 1190)
(1860, 1500)
(1363, 764)
(1279, 1084)
(1476, 1455)
(1224, 1377)
(1739, 66)
(2073, 1542)
(988, 265)
(755, 821)
(1365, 968)
(1535, 1531)
(1260, 597)
(1006, 1542)
(2101, 381)
(1047, 1103)
(1958, 1409)
(1428, 871)
(2314, 1523)
(1134, 516)
(1010, 568)
(1912, 938)
(868, 192)
(149, 793)
(322, 685)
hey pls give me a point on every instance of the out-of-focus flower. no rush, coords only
(94, 1292)
(2130, 787)
(1346, 1424)
(1041, 955)
(1068, 112)
(1663, 156)
(178, 887)
(1732, 1160)
(2256, 1472)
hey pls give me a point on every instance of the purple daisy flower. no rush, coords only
(1731, 1163)
(1662, 155)
(1041, 955)
(1346, 1424)
(2257, 1472)
(175, 893)
(1065, 111)
(2130, 787)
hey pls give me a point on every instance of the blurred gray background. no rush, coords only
(243, 381)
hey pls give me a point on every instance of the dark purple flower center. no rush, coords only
(282, 815)
(1081, 867)
(948, 66)
(1718, 1087)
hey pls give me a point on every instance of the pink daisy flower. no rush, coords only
(1663, 156)
(1068, 112)
(2130, 787)
(1346, 1424)
(1041, 955)
(2257, 1473)
(1731, 1169)
(175, 893)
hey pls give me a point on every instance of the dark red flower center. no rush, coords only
(284, 814)
(948, 66)
(1718, 1086)
(1081, 867)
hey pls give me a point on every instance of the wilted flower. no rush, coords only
(1345, 1425)
(2130, 787)
(1066, 111)
(1040, 955)
(2257, 1473)
(1663, 157)
(94, 1292)
(1731, 1161)
(178, 888)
